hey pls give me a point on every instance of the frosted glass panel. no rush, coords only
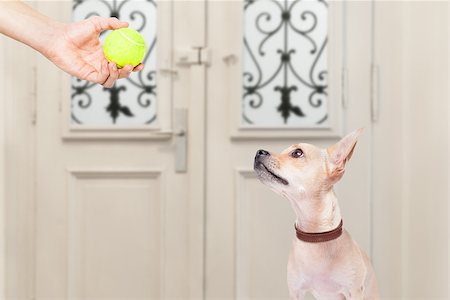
(131, 101)
(285, 82)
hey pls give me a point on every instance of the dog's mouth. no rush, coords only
(259, 166)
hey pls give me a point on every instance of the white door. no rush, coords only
(119, 191)
(249, 228)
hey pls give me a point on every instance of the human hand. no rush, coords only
(76, 49)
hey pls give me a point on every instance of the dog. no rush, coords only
(324, 259)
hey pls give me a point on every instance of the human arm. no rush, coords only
(74, 47)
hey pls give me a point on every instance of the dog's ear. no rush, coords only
(340, 153)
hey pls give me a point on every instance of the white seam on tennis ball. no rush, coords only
(130, 40)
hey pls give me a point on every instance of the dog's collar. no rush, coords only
(321, 236)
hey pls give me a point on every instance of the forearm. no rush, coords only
(24, 24)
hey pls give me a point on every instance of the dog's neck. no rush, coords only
(316, 214)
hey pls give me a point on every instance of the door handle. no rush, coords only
(181, 140)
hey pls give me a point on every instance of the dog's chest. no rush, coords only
(322, 284)
(319, 269)
(320, 279)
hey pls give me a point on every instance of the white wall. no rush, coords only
(411, 150)
(425, 131)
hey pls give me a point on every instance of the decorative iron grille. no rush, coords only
(131, 101)
(285, 63)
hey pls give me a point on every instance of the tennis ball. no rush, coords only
(124, 46)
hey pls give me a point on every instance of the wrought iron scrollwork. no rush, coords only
(144, 82)
(270, 57)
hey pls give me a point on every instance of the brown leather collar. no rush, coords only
(321, 236)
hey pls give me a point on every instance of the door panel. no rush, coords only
(106, 207)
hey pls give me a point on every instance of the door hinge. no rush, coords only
(194, 56)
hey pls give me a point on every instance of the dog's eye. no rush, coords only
(297, 153)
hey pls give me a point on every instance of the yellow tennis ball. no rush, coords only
(124, 46)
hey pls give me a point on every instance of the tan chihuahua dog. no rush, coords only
(324, 259)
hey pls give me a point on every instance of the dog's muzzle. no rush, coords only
(260, 157)
(264, 172)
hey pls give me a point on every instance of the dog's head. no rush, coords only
(304, 170)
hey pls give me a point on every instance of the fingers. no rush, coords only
(102, 76)
(113, 75)
(125, 71)
(138, 68)
(109, 73)
(102, 23)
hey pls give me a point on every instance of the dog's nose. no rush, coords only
(262, 152)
